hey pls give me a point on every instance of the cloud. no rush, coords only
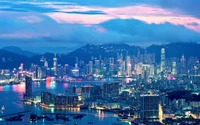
(151, 33)
(63, 26)
(93, 12)
(89, 12)
(43, 33)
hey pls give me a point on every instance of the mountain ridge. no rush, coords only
(90, 51)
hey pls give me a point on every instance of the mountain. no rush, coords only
(9, 60)
(90, 51)
(19, 51)
(105, 50)
(176, 50)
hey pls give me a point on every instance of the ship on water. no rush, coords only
(2, 108)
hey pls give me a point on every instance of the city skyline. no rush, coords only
(55, 26)
(101, 62)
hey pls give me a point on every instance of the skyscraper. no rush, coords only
(55, 65)
(28, 92)
(149, 106)
(162, 64)
(174, 68)
(90, 68)
(128, 66)
(183, 68)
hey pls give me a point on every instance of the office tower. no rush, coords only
(120, 72)
(86, 91)
(111, 89)
(152, 71)
(46, 64)
(138, 68)
(128, 66)
(96, 92)
(174, 68)
(183, 68)
(90, 67)
(74, 89)
(59, 101)
(162, 64)
(55, 65)
(149, 106)
(47, 98)
(28, 91)
(111, 65)
(145, 71)
(39, 73)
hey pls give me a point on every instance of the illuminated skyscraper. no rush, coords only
(90, 67)
(128, 66)
(162, 64)
(28, 92)
(46, 64)
(183, 68)
(174, 68)
(55, 65)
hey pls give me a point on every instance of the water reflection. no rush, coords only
(50, 83)
(6, 87)
(18, 88)
(1, 88)
(65, 85)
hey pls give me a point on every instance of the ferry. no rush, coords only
(2, 108)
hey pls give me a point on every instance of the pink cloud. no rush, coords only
(148, 14)
(31, 19)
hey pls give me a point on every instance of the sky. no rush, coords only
(64, 25)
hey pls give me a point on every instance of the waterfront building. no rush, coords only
(60, 101)
(86, 91)
(96, 92)
(47, 98)
(55, 65)
(111, 89)
(28, 87)
(149, 106)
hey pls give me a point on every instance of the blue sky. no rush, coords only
(64, 25)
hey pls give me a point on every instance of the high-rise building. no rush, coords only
(174, 68)
(128, 66)
(111, 89)
(55, 65)
(59, 101)
(149, 106)
(90, 67)
(28, 91)
(145, 71)
(162, 63)
(74, 89)
(86, 91)
(183, 68)
(46, 64)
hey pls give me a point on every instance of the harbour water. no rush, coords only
(10, 96)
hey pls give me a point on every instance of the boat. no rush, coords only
(14, 118)
(78, 116)
(134, 123)
(2, 108)
(90, 122)
(50, 119)
(124, 119)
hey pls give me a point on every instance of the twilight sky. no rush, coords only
(64, 25)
